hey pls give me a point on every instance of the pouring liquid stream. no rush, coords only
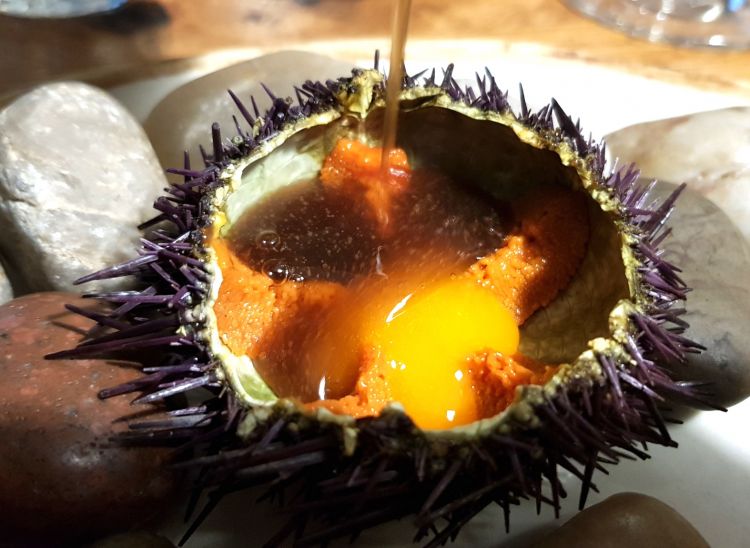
(395, 77)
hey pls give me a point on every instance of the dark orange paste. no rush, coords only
(542, 256)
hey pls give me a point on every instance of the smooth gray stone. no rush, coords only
(6, 291)
(77, 175)
(715, 263)
(182, 120)
(708, 150)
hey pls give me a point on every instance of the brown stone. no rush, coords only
(133, 539)
(626, 520)
(63, 479)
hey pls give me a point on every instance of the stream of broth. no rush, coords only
(395, 77)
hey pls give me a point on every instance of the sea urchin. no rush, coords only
(239, 239)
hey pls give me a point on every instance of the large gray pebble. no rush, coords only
(182, 120)
(6, 291)
(708, 150)
(715, 260)
(77, 175)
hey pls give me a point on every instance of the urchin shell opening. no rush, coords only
(497, 153)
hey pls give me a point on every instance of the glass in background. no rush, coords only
(57, 8)
(706, 23)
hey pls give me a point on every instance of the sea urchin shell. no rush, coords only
(350, 474)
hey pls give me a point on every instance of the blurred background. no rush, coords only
(143, 34)
(636, 71)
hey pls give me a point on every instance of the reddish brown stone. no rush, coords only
(626, 520)
(134, 539)
(63, 480)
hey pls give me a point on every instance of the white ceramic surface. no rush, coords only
(708, 478)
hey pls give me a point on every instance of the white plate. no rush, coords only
(708, 478)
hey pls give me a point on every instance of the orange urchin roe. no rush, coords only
(542, 256)
(493, 376)
(371, 393)
(355, 168)
(264, 320)
(497, 376)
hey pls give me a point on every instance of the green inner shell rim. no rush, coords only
(490, 149)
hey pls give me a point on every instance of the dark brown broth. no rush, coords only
(306, 232)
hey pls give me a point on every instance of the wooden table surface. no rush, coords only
(147, 33)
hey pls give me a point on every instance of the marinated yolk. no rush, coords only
(426, 342)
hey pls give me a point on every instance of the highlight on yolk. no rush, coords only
(426, 342)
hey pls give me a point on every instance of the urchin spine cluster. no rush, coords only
(587, 425)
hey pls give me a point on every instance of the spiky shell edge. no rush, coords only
(352, 475)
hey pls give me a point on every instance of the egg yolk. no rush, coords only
(426, 342)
